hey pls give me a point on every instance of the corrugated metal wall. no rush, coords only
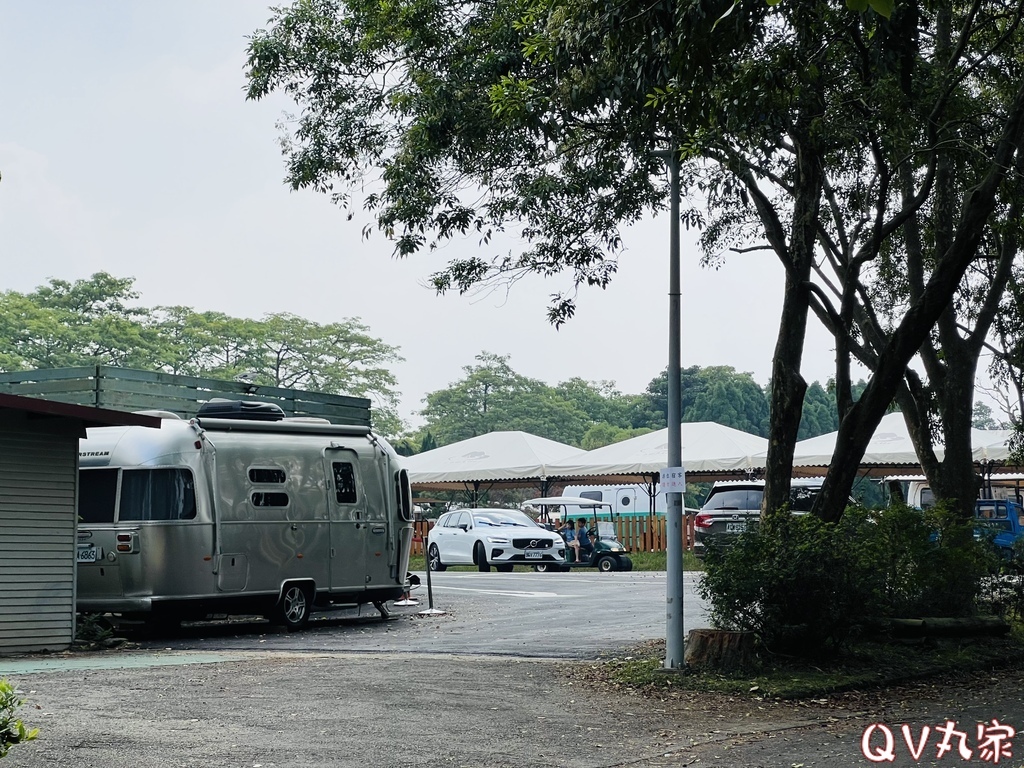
(38, 476)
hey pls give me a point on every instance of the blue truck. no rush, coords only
(1002, 520)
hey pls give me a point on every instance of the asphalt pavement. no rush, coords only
(425, 691)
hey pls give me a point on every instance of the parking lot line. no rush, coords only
(505, 592)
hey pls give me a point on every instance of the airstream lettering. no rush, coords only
(239, 514)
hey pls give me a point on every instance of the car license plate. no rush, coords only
(534, 555)
(735, 527)
(86, 555)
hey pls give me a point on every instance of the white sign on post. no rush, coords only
(673, 480)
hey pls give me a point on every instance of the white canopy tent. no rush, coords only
(890, 447)
(991, 444)
(491, 461)
(708, 449)
(890, 450)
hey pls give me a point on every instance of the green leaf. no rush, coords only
(883, 7)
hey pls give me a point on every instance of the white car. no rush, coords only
(485, 537)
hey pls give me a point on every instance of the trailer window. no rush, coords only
(97, 495)
(266, 475)
(344, 482)
(260, 499)
(157, 494)
(403, 492)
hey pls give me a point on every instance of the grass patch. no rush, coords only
(642, 561)
(656, 561)
(864, 666)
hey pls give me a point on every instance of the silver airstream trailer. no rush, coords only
(244, 512)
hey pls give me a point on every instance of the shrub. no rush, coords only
(1004, 592)
(92, 629)
(953, 570)
(12, 730)
(804, 585)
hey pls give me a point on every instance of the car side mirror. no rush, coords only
(464, 526)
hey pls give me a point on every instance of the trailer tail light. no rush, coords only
(702, 521)
(124, 542)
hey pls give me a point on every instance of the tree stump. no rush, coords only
(719, 649)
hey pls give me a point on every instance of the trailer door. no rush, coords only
(626, 502)
(99, 571)
(351, 534)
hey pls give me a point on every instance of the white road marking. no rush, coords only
(506, 592)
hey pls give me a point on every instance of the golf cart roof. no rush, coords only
(576, 501)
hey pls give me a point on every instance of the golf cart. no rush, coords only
(607, 554)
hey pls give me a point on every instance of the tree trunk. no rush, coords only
(788, 386)
(719, 649)
(975, 626)
(957, 478)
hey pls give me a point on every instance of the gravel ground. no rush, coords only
(262, 709)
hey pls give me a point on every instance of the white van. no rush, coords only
(915, 489)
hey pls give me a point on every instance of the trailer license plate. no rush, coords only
(534, 555)
(735, 527)
(86, 555)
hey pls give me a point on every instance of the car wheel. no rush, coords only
(504, 567)
(294, 607)
(434, 560)
(606, 563)
(625, 563)
(480, 557)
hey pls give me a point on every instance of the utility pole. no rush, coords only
(675, 588)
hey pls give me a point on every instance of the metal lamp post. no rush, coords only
(674, 589)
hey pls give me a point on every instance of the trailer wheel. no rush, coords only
(294, 606)
(480, 556)
(542, 568)
(606, 563)
(434, 560)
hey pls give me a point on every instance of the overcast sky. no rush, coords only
(127, 146)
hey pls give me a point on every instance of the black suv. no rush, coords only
(732, 504)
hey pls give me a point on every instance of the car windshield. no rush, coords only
(605, 530)
(735, 498)
(801, 498)
(498, 519)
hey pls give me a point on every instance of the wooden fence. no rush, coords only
(636, 534)
(126, 389)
